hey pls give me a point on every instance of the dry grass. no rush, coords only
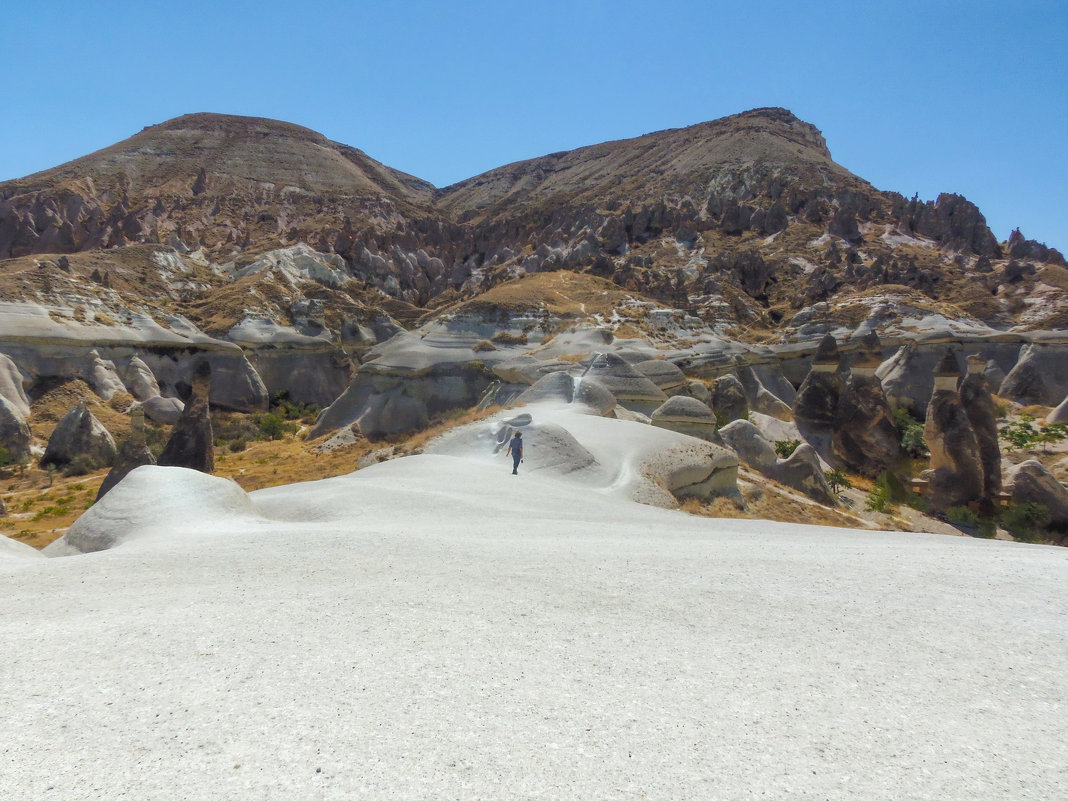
(561, 293)
(768, 501)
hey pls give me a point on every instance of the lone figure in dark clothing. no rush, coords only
(515, 447)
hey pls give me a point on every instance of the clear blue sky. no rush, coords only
(917, 97)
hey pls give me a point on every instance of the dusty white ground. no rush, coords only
(434, 627)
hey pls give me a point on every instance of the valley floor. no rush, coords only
(434, 627)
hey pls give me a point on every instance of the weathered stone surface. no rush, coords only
(687, 416)
(104, 378)
(558, 387)
(957, 474)
(728, 398)
(865, 439)
(139, 380)
(994, 375)
(163, 411)
(771, 377)
(745, 439)
(132, 454)
(1039, 377)
(978, 405)
(1031, 482)
(11, 385)
(1059, 414)
(79, 434)
(629, 387)
(815, 408)
(759, 397)
(191, 443)
(908, 379)
(14, 432)
(802, 471)
(666, 375)
(699, 390)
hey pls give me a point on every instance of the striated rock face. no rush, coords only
(957, 473)
(978, 405)
(759, 397)
(687, 416)
(815, 407)
(1039, 377)
(908, 379)
(666, 375)
(11, 385)
(139, 380)
(191, 443)
(865, 439)
(562, 387)
(14, 433)
(728, 398)
(132, 454)
(630, 388)
(79, 435)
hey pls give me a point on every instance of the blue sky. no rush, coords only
(916, 97)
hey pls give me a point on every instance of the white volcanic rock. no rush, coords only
(1032, 482)
(103, 377)
(11, 385)
(745, 439)
(159, 502)
(1059, 414)
(15, 434)
(469, 633)
(79, 434)
(301, 263)
(11, 550)
(163, 411)
(666, 375)
(686, 415)
(140, 381)
(1040, 376)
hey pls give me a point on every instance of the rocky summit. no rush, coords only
(721, 262)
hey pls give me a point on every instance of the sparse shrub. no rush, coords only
(961, 516)
(911, 433)
(237, 445)
(886, 490)
(1025, 521)
(291, 410)
(1023, 432)
(483, 345)
(274, 426)
(81, 465)
(987, 529)
(837, 479)
(786, 447)
(1001, 410)
(508, 338)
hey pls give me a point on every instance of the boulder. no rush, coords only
(864, 438)
(14, 432)
(802, 471)
(978, 405)
(1031, 482)
(556, 387)
(908, 379)
(759, 397)
(698, 389)
(103, 377)
(745, 439)
(687, 416)
(1039, 377)
(728, 399)
(995, 376)
(81, 436)
(695, 470)
(666, 375)
(1060, 414)
(956, 468)
(815, 408)
(191, 443)
(771, 377)
(133, 454)
(594, 396)
(11, 386)
(140, 382)
(163, 411)
(630, 388)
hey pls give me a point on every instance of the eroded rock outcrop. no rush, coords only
(728, 399)
(133, 454)
(11, 385)
(630, 388)
(687, 416)
(191, 443)
(1039, 377)
(865, 439)
(759, 397)
(956, 477)
(1031, 482)
(800, 471)
(14, 432)
(978, 405)
(815, 407)
(79, 436)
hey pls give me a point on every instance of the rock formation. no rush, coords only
(865, 439)
(132, 454)
(1059, 414)
(816, 403)
(630, 388)
(759, 397)
(687, 416)
(11, 385)
(1039, 377)
(908, 379)
(978, 405)
(956, 477)
(14, 432)
(79, 436)
(191, 443)
(728, 399)
(749, 443)
(666, 375)
(1031, 482)
(800, 471)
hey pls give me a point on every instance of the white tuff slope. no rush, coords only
(435, 627)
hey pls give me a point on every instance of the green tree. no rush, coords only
(837, 480)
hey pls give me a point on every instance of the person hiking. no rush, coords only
(515, 447)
